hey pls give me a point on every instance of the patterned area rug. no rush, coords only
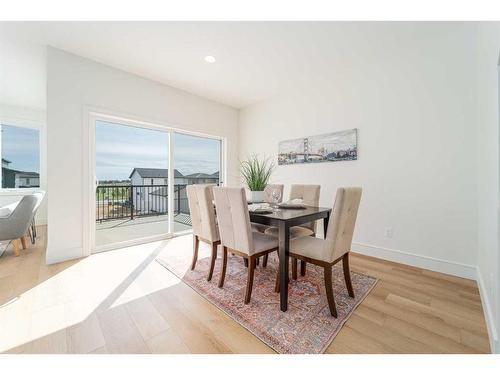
(307, 326)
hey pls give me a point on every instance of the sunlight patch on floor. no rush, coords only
(65, 295)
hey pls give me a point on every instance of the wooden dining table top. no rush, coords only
(289, 215)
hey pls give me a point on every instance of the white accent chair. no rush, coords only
(309, 194)
(203, 221)
(15, 219)
(236, 233)
(327, 252)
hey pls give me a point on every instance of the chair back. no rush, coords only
(310, 197)
(234, 219)
(342, 221)
(17, 224)
(268, 191)
(201, 208)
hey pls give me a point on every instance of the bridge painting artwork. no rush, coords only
(338, 146)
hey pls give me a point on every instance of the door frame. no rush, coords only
(91, 115)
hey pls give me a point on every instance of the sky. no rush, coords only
(21, 146)
(120, 149)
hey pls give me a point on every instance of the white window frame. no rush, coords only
(91, 115)
(27, 124)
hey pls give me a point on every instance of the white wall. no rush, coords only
(32, 117)
(73, 83)
(414, 107)
(488, 51)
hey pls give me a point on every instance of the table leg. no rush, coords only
(325, 223)
(284, 243)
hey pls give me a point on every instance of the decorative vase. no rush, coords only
(256, 196)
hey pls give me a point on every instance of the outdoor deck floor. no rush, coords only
(120, 230)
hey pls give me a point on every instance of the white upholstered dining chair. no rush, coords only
(309, 194)
(236, 233)
(203, 221)
(327, 252)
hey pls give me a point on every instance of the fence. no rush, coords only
(130, 201)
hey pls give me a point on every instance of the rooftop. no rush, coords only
(203, 175)
(154, 173)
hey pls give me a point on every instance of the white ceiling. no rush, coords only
(255, 60)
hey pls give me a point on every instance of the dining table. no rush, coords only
(284, 219)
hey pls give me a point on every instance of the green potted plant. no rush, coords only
(256, 173)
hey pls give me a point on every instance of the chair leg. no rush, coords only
(303, 268)
(264, 261)
(245, 261)
(257, 261)
(224, 265)
(294, 268)
(23, 242)
(196, 245)
(251, 270)
(16, 247)
(277, 284)
(347, 274)
(329, 290)
(212, 261)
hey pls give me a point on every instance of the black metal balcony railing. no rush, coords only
(130, 201)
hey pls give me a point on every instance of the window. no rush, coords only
(20, 154)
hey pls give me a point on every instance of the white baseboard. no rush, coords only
(434, 264)
(53, 257)
(488, 313)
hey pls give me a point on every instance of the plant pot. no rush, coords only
(256, 196)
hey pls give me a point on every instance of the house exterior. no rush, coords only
(145, 181)
(180, 194)
(12, 178)
(27, 179)
(150, 187)
(154, 176)
(202, 178)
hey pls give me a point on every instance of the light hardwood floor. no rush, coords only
(123, 301)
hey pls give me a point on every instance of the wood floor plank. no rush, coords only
(167, 342)
(351, 341)
(145, 316)
(101, 350)
(476, 341)
(85, 337)
(438, 343)
(397, 342)
(54, 343)
(457, 320)
(120, 333)
(197, 337)
(226, 330)
(435, 323)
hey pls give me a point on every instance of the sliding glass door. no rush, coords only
(137, 197)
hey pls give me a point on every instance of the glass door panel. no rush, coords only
(197, 160)
(132, 183)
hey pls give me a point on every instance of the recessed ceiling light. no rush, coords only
(210, 59)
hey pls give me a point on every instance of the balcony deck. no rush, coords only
(120, 230)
